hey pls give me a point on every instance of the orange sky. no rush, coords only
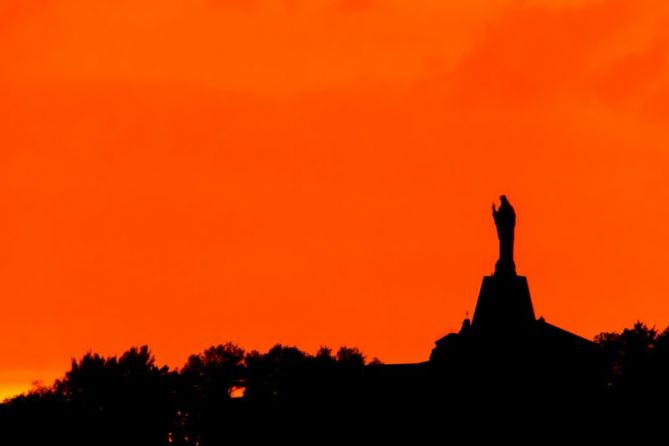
(321, 171)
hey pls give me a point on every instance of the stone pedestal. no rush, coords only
(504, 304)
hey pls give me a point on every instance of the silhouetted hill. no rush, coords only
(506, 375)
(225, 395)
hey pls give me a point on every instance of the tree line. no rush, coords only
(227, 395)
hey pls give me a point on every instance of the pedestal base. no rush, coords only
(504, 303)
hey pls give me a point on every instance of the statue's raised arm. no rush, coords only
(505, 221)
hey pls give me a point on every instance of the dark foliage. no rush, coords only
(225, 395)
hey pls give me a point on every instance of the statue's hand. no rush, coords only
(494, 209)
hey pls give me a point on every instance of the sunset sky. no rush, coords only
(320, 172)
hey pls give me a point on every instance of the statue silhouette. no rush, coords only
(504, 301)
(505, 221)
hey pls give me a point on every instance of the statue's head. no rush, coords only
(503, 199)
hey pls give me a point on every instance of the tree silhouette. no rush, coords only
(290, 395)
(204, 393)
